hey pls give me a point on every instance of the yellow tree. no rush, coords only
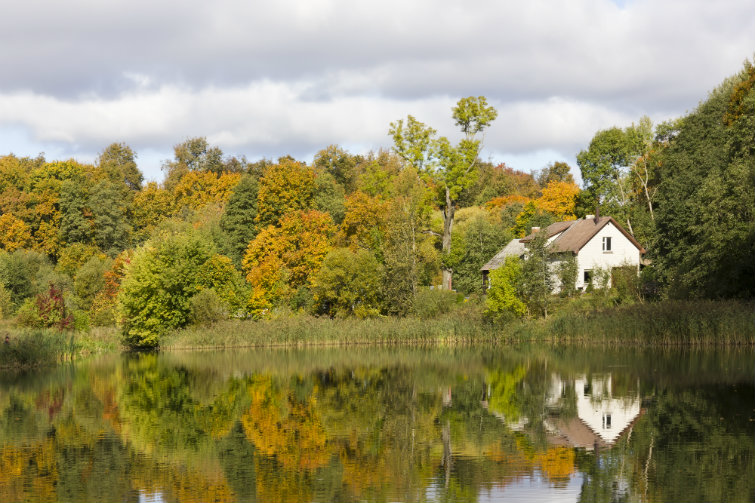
(365, 222)
(283, 188)
(200, 188)
(281, 259)
(559, 199)
(14, 233)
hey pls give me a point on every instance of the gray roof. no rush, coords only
(515, 248)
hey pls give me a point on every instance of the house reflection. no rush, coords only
(585, 412)
(601, 417)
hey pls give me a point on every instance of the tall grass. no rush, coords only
(39, 347)
(664, 323)
(661, 323)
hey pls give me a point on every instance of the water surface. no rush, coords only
(383, 424)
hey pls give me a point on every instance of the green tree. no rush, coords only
(195, 154)
(348, 283)
(454, 168)
(555, 172)
(504, 296)
(119, 162)
(111, 230)
(705, 214)
(160, 281)
(476, 241)
(239, 220)
(537, 281)
(338, 163)
(75, 221)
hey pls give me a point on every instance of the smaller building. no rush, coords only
(597, 242)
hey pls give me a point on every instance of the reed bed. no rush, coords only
(662, 323)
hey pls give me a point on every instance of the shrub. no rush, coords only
(504, 300)
(46, 310)
(346, 282)
(207, 307)
(432, 302)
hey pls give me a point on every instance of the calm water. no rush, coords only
(486, 424)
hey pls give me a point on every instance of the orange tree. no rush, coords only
(281, 259)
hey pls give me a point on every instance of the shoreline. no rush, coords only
(661, 324)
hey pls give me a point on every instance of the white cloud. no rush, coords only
(293, 76)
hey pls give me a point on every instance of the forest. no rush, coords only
(374, 235)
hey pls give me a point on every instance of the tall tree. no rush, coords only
(119, 162)
(239, 218)
(454, 168)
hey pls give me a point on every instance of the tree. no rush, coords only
(537, 281)
(338, 163)
(705, 219)
(348, 283)
(364, 223)
(453, 167)
(160, 281)
(605, 172)
(14, 233)
(195, 154)
(285, 187)
(555, 172)
(119, 162)
(476, 240)
(504, 298)
(239, 220)
(281, 259)
(111, 230)
(559, 199)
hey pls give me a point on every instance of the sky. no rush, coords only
(290, 77)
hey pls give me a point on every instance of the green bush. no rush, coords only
(207, 307)
(504, 299)
(347, 283)
(6, 303)
(432, 302)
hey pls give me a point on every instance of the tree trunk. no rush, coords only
(448, 223)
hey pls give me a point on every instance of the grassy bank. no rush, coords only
(37, 347)
(580, 323)
(663, 323)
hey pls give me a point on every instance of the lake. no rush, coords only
(528, 423)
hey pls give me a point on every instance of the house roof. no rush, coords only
(574, 234)
(514, 248)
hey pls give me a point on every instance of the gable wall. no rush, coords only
(592, 256)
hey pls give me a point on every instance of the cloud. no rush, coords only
(294, 76)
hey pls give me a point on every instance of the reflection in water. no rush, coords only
(379, 424)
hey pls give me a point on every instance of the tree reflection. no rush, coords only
(148, 425)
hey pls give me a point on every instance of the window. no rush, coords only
(587, 277)
(607, 244)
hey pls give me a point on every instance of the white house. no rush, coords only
(597, 242)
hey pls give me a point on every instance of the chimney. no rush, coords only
(597, 214)
(535, 229)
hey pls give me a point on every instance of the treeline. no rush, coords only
(90, 245)
(361, 235)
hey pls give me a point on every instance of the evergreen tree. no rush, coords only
(239, 218)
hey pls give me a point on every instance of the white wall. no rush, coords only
(592, 256)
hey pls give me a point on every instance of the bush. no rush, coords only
(6, 303)
(46, 310)
(207, 307)
(347, 282)
(504, 300)
(432, 302)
